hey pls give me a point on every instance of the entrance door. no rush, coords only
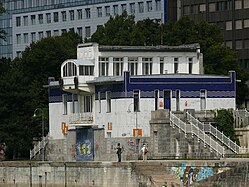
(167, 99)
(84, 144)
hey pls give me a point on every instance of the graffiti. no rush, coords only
(190, 174)
(131, 145)
(84, 148)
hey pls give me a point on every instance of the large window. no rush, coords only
(64, 15)
(99, 11)
(140, 7)
(40, 18)
(229, 25)
(18, 39)
(69, 69)
(103, 66)
(56, 17)
(71, 13)
(88, 13)
(87, 31)
(117, 66)
(88, 103)
(33, 36)
(25, 20)
(149, 6)
(40, 35)
(158, 5)
(246, 4)
(212, 7)
(18, 21)
(48, 33)
(238, 4)
(79, 12)
(132, 8)
(80, 31)
(147, 66)
(32, 19)
(133, 65)
(115, 10)
(48, 17)
(86, 70)
(107, 11)
(238, 24)
(123, 7)
(25, 38)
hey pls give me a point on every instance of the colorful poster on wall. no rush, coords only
(84, 144)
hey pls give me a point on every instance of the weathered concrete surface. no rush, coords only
(125, 174)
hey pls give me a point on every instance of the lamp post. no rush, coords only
(42, 115)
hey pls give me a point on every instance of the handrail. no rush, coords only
(39, 146)
(195, 130)
(216, 133)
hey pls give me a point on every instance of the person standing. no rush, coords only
(119, 152)
(144, 152)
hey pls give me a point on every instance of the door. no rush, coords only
(84, 144)
(167, 99)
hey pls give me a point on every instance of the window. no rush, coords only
(40, 35)
(176, 65)
(19, 54)
(88, 31)
(88, 103)
(56, 33)
(40, 18)
(238, 44)
(25, 20)
(115, 10)
(194, 9)
(238, 24)
(190, 65)
(221, 6)
(238, 4)
(158, 5)
(156, 95)
(133, 65)
(63, 31)
(33, 36)
(161, 65)
(48, 17)
(246, 4)
(99, 12)
(32, 19)
(71, 13)
(186, 10)
(149, 6)
(71, 29)
(132, 8)
(228, 25)
(117, 66)
(25, 38)
(246, 43)
(212, 7)
(108, 102)
(18, 21)
(136, 100)
(107, 11)
(123, 7)
(56, 17)
(178, 97)
(147, 66)
(141, 7)
(73, 103)
(80, 31)
(202, 7)
(64, 16)
(64, 101)
(18, 39)
(103, 66)
(246, 23)
(88, 13)
(86, 70)
(69, 69)
(79, 12)
(48, 34)
(229, 44)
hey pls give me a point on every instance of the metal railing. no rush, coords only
(81, 118)
(208, 128)
(39, 146)
(199, 133)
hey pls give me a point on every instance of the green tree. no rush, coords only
(224, 123)
(23, 91)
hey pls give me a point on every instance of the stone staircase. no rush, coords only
(155, 174)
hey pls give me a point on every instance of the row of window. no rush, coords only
(26, 38)
(239, 44)
(239, 24)
(215, 6)
(71, 15)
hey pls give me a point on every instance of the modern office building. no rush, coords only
(231, 15)
(27, 21)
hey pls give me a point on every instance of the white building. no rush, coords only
(97, 89)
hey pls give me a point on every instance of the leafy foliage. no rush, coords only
(224, 120)
(23, 92)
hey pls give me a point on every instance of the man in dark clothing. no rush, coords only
(119, 152)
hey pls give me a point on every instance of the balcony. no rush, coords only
(81, 119)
